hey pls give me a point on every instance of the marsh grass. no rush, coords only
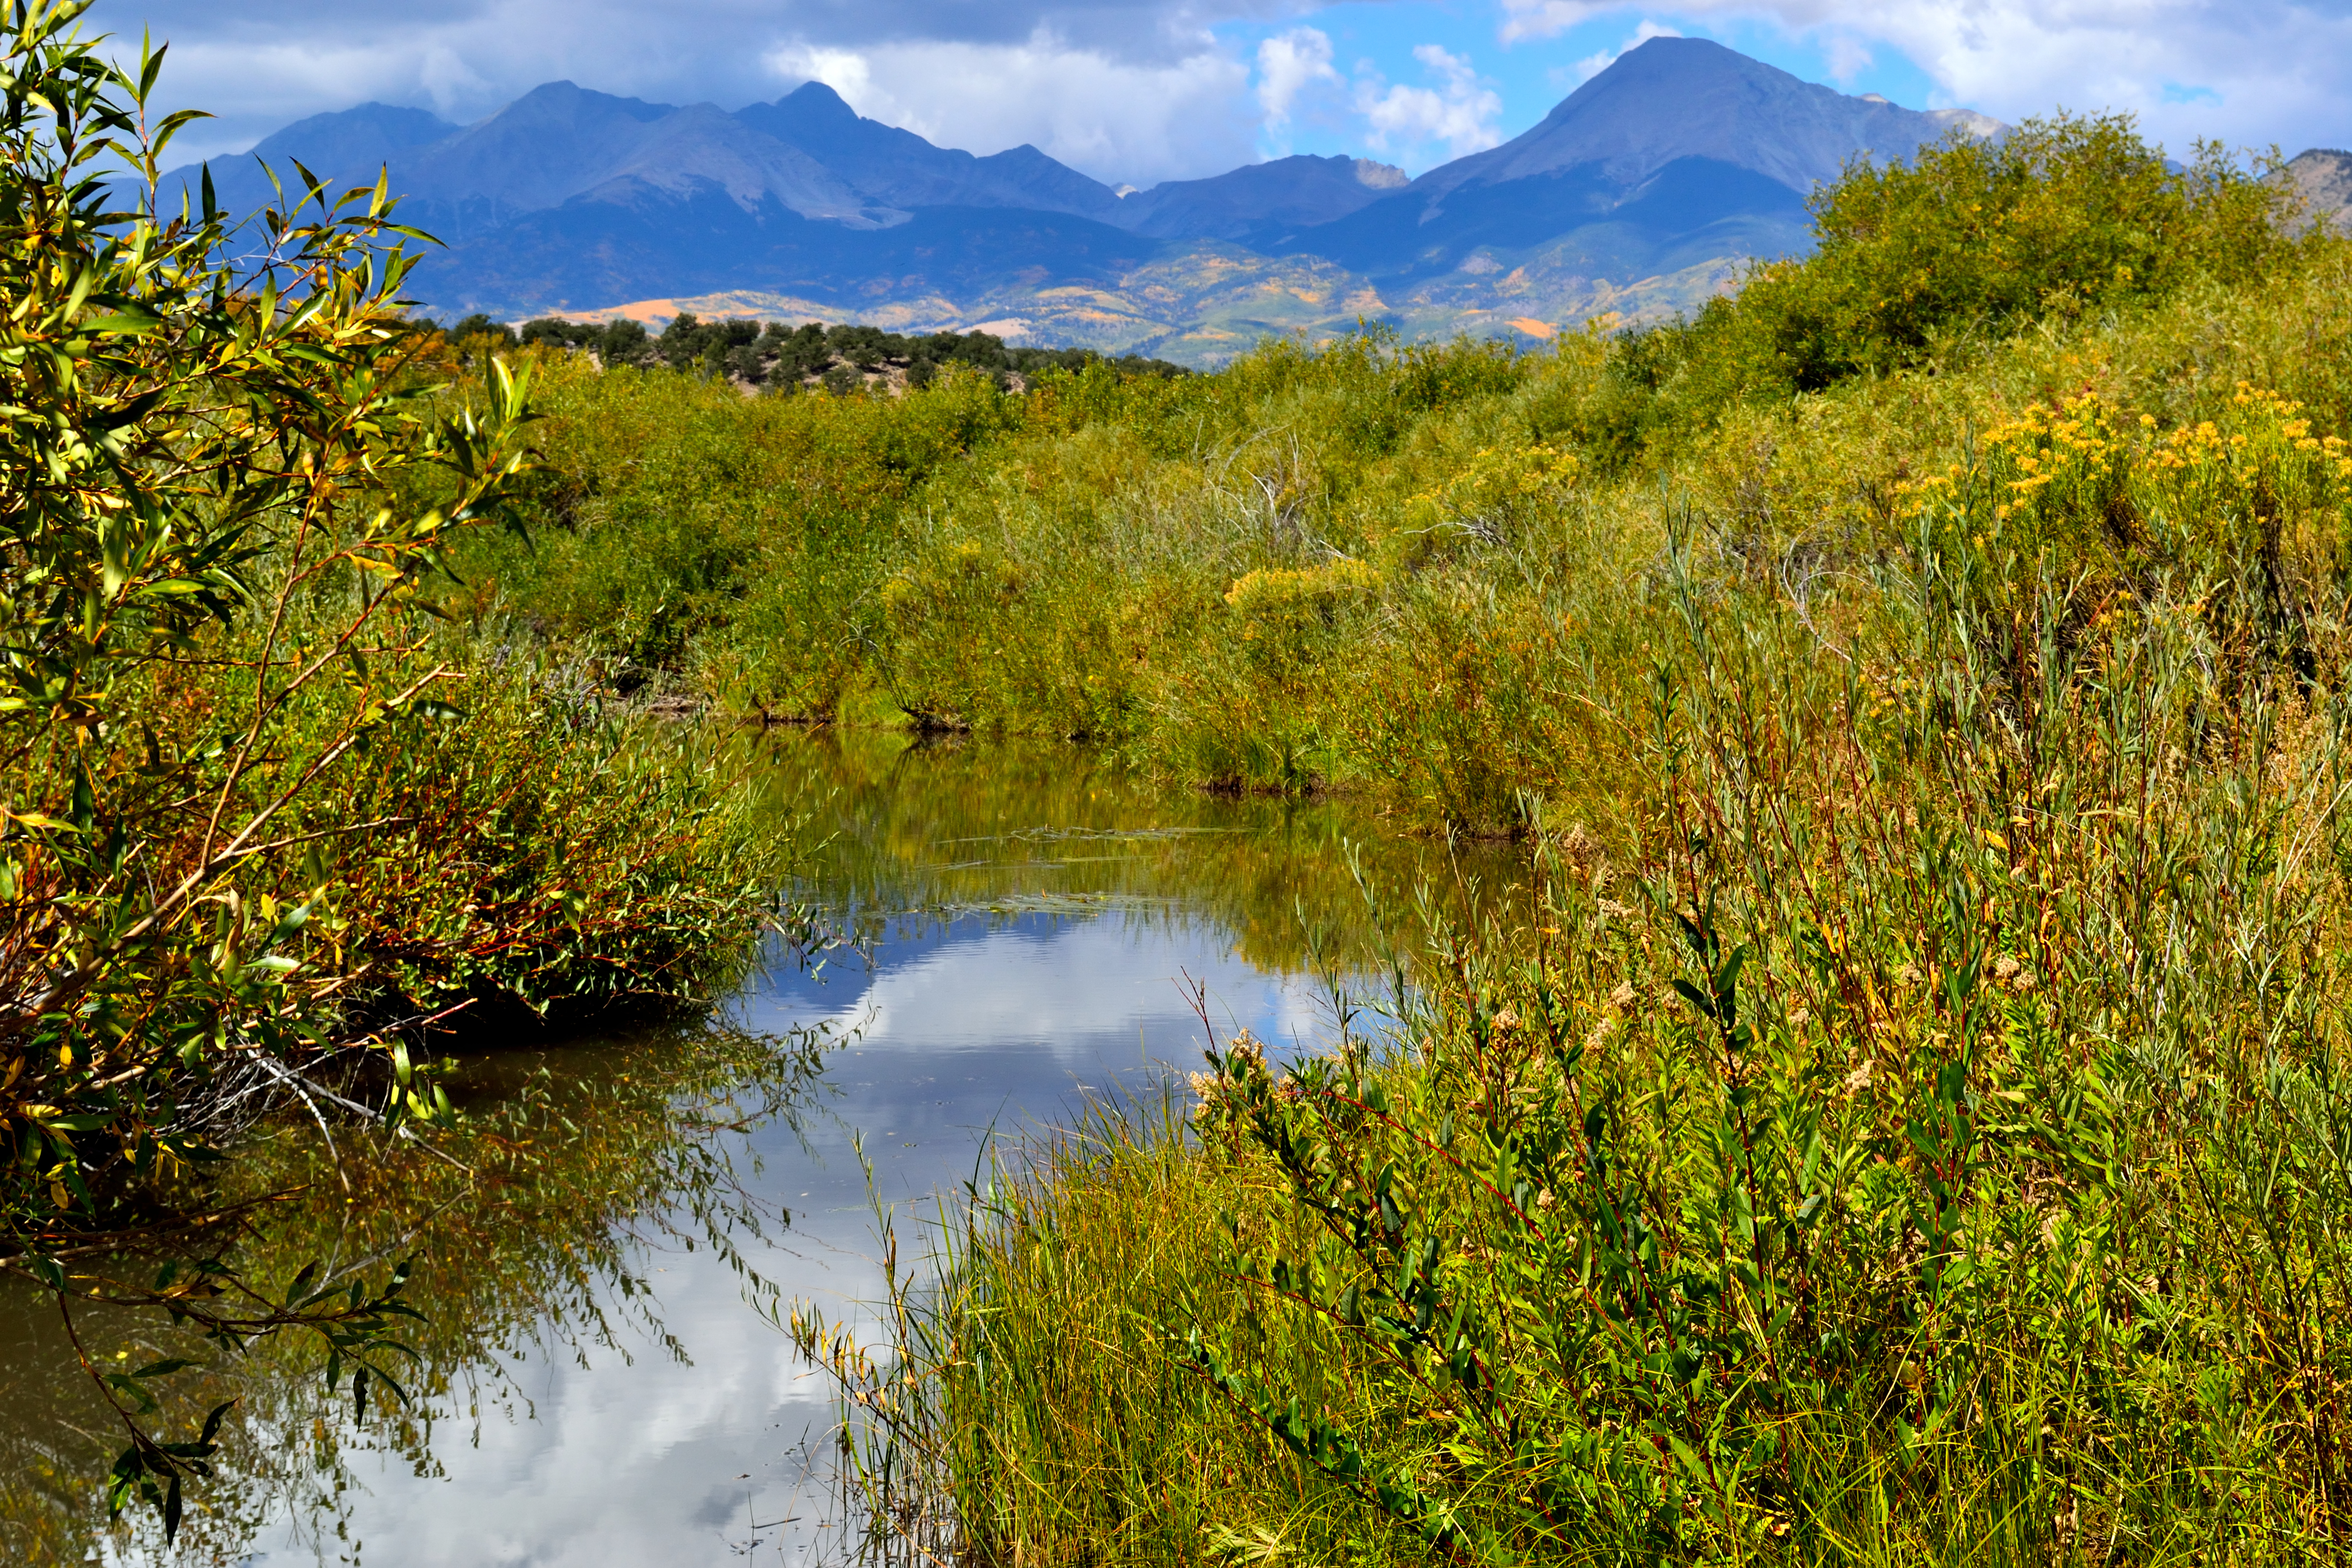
(1922, 1143)
(1913, 1125)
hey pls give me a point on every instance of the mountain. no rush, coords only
(1680, 150)
(1259, 202)
(1642, 192)
(344, 149)
(1721, 107)
(556, 143)
(903, 170)
(2322, 177)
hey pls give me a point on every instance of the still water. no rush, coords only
(601, 1380)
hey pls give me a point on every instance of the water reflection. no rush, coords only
(601, 1381)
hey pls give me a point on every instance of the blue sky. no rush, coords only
(1141, 91)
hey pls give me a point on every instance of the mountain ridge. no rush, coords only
(1651, 181)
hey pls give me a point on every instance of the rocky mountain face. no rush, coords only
(2322, 178)
(1643, 191)
(902, 170)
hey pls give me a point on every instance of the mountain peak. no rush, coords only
(568, 100)
(901, 170)
(815, 100)
(1669, 98)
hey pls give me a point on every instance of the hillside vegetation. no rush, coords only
(1390, 568)
(1904, 1119)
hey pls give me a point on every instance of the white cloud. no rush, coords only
(1459, 110)
(1526, 20)
(1136, 120)
(1847, 57)
(1287, 65)
(447, 79)
(843, 70)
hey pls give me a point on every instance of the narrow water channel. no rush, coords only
(600, 1380)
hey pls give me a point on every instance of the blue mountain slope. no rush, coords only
(344, 149)
(595, 251)
(900, 169)
(1259, 204)
(1401, 237)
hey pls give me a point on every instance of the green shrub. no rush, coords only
(258, 811)
(1977, 239)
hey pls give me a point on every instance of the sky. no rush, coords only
(1142, 91)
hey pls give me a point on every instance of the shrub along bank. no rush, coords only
(265, 823)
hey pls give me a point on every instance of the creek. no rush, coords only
(600, 1378)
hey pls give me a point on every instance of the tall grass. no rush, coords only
(1911, 1125)
(1918, 1134)
(1400, 571)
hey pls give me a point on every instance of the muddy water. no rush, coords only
(601, 1379)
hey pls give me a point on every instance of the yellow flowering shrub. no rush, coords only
(2259, 477)
(1493, 489)
(2084, 485)
(1280, 612)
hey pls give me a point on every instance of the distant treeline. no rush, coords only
(840, 356)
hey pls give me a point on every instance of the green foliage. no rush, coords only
(2060, 215)
(490, 333)
(786, 357)
(1913, 1138)
(260, 810)
(677, 530)
(617, 342)
(194, 588)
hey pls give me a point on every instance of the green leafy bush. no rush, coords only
(1977, 239)
(259, 809)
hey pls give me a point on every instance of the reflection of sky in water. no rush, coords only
(951, 1030)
